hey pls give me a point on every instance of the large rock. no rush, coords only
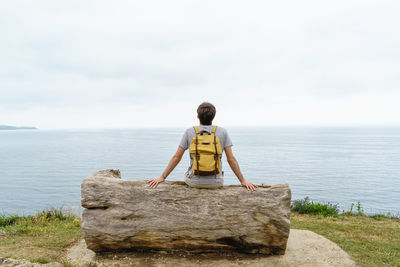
(122, 215)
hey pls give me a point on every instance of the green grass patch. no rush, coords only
(306, 206)
(355, 212)
(379, 217)
(40, 260)
(8, 219)
(369, 241)
(43, 237)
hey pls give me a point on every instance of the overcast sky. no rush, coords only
(102, 64)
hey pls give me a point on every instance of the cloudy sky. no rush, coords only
(103, 64)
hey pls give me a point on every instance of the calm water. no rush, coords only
(39, 169)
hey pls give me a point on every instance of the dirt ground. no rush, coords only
(305, 248)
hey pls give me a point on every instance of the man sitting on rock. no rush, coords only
(205, 143)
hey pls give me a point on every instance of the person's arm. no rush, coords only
(235, 168)
(171, 165)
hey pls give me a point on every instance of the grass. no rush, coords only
(40, 260)
(8, 220)
(43, 237)
(305, 206)
(370, 240)
(310, 207)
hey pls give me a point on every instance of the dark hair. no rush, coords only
(206, 112)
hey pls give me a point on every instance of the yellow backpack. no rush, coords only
(206, 152)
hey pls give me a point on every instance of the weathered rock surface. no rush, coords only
(7, 262)
(125, 214)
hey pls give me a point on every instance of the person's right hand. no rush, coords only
(250, 186)
(154, 182)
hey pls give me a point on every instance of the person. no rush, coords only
(205, 113)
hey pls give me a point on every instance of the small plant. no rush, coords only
(69, 264)
(54, 213)
(359, 212)
(378, 217)
(8, 219)
(40, 260)
(388, 215)
(306, 206)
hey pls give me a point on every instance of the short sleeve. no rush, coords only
(226, 140)
(184, 141)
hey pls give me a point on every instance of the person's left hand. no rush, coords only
(154, 182)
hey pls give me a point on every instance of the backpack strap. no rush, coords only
(216, 151)
(196, 129)
(197, 152)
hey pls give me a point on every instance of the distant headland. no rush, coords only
(7, 127)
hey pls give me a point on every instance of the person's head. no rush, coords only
(206, 113)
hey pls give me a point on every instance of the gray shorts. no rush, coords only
(191, 184)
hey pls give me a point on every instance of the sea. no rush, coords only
(43, 169)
